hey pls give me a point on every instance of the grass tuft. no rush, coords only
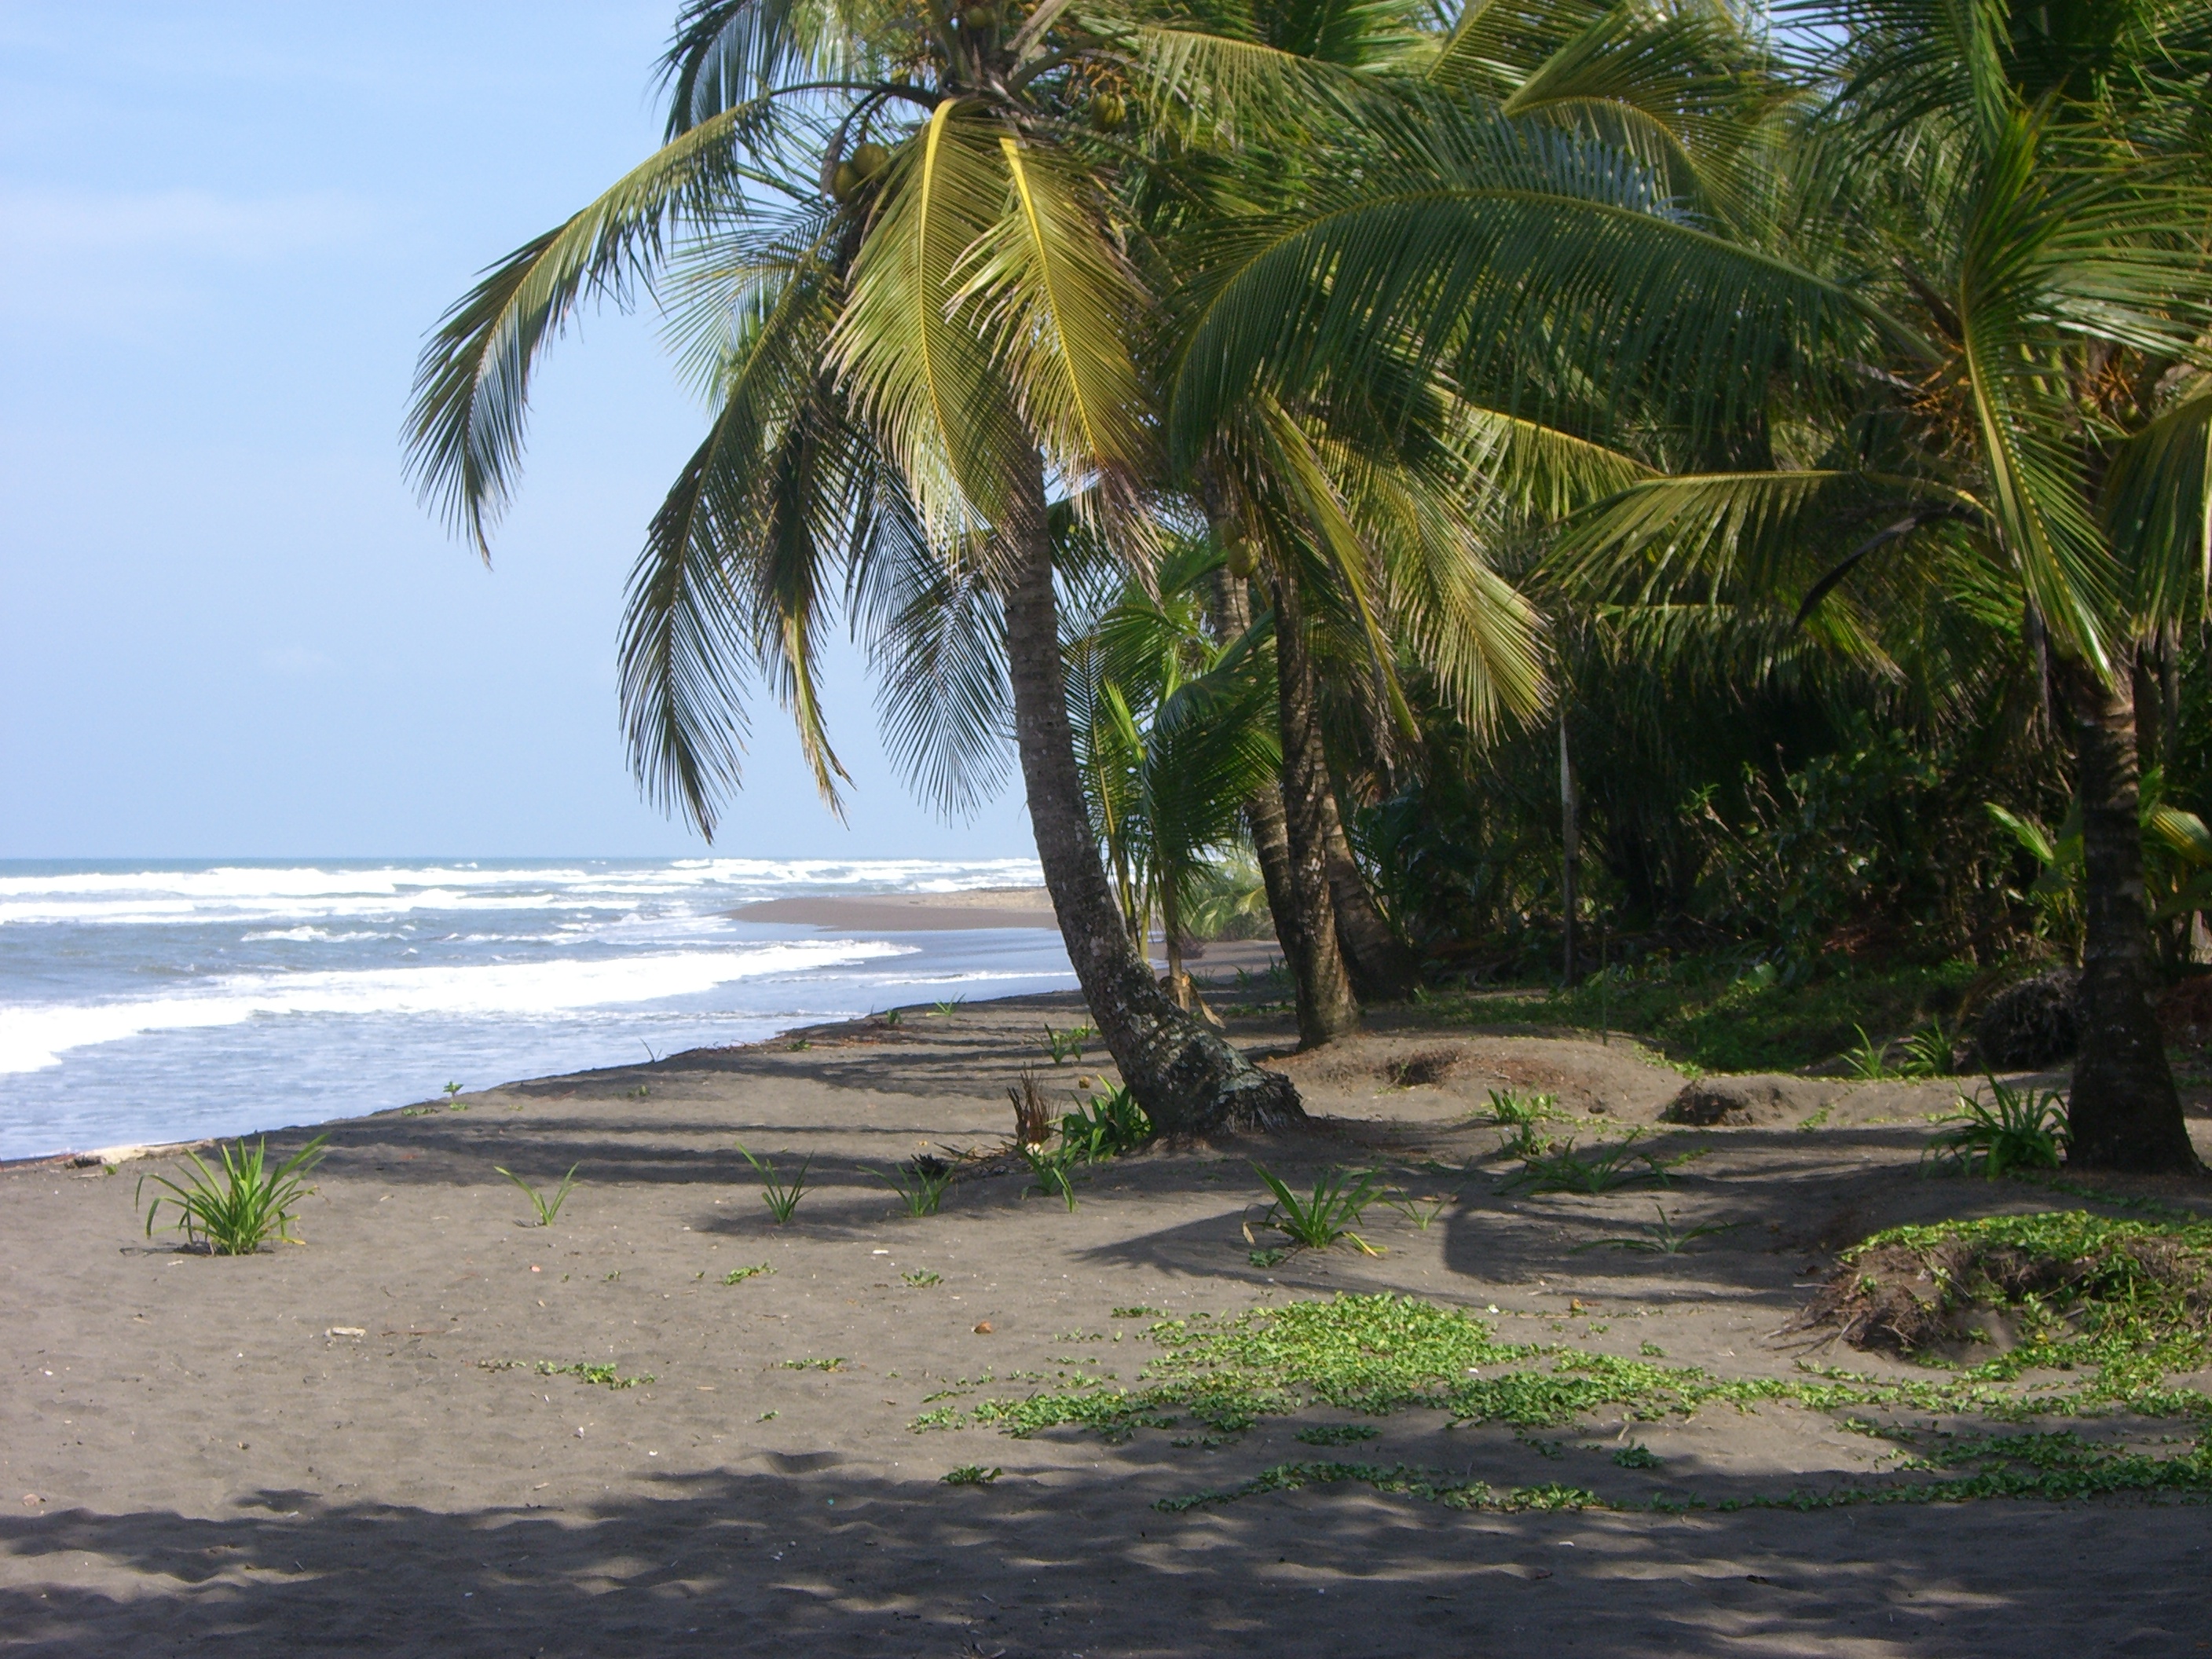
(2015, 1129)
(547, 1207)
(1339, 1196)
(781, 1197)
(235, 1213)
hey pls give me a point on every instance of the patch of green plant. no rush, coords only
(782, 1197)
(921, 1279)
(738, 1275)
(1330, 1213)
(249, 1204)
(920, 1184)
(548, 1207)
(1663, 1238)
(1066, 1045)
(1509, 1109)
(1105, 1125)
(452, 1092)
(1338, 1434)
(971, 1475)
(2017, 1129)
(1927, 1052)
(893, 1018)
(605, 1376)
(1141, 1312)
(837, 1364)
(1634, 1456)
(1709, 1011)
(1564, 1170)
(946, 1009)
(1453, 1492)
(2130, 1303)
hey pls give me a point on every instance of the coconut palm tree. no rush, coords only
(890, 239)
(1962, 301)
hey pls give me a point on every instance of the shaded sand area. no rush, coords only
(355, 1445)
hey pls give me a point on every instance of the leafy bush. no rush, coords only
(238, 1212)
(1105, 1125)
(1316, 1223)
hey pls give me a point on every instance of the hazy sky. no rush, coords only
(225, 627)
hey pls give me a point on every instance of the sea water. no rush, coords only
(148, 1002)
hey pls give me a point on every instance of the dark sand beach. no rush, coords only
(347, 1446)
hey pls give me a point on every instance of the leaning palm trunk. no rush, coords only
(1188, 1080)
(2125, 1114)
(1327, 1007)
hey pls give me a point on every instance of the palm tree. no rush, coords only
(889, 239)
(1962, 302)
(1174, 732)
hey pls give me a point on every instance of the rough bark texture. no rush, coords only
(2124, 1112)
(1327, 1008)
(1188, 1080)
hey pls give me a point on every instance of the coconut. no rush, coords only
(869, 160)
(1108, 111)
(845, 183)
(1236, 553)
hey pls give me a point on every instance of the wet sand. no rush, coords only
(331, 1448)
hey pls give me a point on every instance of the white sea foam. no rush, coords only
(306, 894)
(35, 1036)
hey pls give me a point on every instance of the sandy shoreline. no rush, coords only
(972, 907)
(198, 1451)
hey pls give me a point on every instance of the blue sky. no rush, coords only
(225, 627)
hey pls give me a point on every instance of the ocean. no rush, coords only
(143, 1002)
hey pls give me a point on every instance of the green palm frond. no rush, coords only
(2157, 507)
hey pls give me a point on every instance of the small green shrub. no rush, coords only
(1053, 1168)
(2016, 1130)
(781, 1197)
(921, 1279)
(1635, 1456)
(1316, 1223)
(547, 1207)
(241, 1210)
(1927, 1052)
(971, 1475)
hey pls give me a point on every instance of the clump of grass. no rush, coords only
(948, 1007)
(1637, 1456)
(2128, 1301)
(548, 1207)
(971, 1475)
(2018, 1129)
(1033, 1119)
(1053, 1170)
(1868, 1062)
(1140, 1313)
(1338, 1198)
(738, 1275)
(921, 1279)
(1066, 1045)
(920, 1184)
(1663, 1238)
(837, 1364)
(1509, 1109)
(1338, 1434)
(1422, 1212)
(249, 1204)
(1927, 1052)
(1106, 1126)
(1563, 1169)
(782, 1197)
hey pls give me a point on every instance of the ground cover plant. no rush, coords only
(242, 1209)
(1560, 1169)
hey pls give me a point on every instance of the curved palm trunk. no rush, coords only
(2124, 1112)
(1327, 1007)
(1188, 1080)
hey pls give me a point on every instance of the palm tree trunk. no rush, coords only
(2124, 1112)
(1188, 1080)
(1263, 812)
(1382, 969)
(1326, 1009)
